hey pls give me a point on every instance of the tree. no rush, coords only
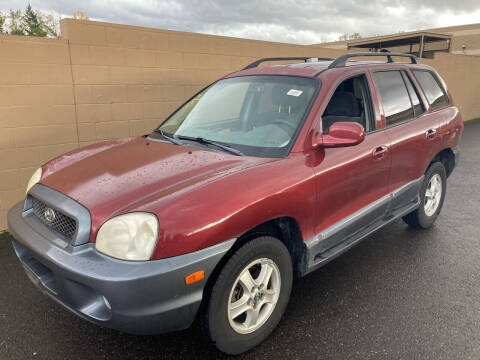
(354, 36)
(49, 24)
(2, 22)
(33, 27)
(31, 22)
(80, 15)
(15, 23)
(347, 36)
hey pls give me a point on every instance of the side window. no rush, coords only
(431, 88)
(351, 102)
(417, 104)
(394, 95)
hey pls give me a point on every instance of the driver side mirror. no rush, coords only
(340, 134)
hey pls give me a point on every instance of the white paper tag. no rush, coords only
(294, 92)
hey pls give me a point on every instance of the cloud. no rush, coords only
(300, 21)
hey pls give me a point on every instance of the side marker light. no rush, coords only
(194, 277)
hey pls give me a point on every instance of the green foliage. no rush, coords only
(49, 23)
(15, 23)
(31, 23)
(2, 22)
(347, 36)
(355, 36)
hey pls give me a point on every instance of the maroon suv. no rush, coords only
(261, 177)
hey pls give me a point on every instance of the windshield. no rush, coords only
(257, 115)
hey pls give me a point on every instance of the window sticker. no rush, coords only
(294, 92)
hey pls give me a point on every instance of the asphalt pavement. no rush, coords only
(400, 294)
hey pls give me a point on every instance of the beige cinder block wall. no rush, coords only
(37, 112)
(102, 81)
(469, 35)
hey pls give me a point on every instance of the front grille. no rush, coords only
(54, 219)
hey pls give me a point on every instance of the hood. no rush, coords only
(115, 175)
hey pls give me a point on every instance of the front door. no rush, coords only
(352, 182)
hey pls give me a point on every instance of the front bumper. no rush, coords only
(147, 297)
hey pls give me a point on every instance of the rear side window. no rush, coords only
(394, 95)
(434, 93)
(417, 104)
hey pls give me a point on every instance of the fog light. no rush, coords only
(107, 303)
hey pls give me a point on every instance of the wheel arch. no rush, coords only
(447, 158)
(285, 229)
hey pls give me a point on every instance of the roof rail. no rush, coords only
(342, 60)
(306, 59)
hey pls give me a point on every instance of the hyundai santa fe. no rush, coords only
(260, 178)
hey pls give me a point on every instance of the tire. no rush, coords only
(234, 335)
(424, 216)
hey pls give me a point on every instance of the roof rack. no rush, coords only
(306, 59)
(342, 60)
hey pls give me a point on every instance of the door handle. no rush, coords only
(430, 134)
(379, 152)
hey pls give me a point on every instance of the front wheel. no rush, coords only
(432, 195)
(249, 296)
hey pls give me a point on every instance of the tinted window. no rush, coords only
(417, 105)
(396, 102)
(431, 88)
(349, 103)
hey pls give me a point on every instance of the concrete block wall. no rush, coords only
(37, 111)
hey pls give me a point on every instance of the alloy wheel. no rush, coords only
(254, 296)
(433, 194)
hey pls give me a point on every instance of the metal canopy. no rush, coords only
(419, 43)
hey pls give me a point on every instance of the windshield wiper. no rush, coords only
(169, 138)
(211, 142)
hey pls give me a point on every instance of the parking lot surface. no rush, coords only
(400, 294)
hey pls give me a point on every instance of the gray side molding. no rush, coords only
(341, 236)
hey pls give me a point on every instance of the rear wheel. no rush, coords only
(249, 296)
(432, 195)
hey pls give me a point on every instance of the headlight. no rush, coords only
(129, 237)
(34, 179)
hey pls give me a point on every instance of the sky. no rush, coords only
(297, 21)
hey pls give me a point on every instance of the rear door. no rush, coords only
(412, 135)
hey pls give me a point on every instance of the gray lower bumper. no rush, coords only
(143, 297)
